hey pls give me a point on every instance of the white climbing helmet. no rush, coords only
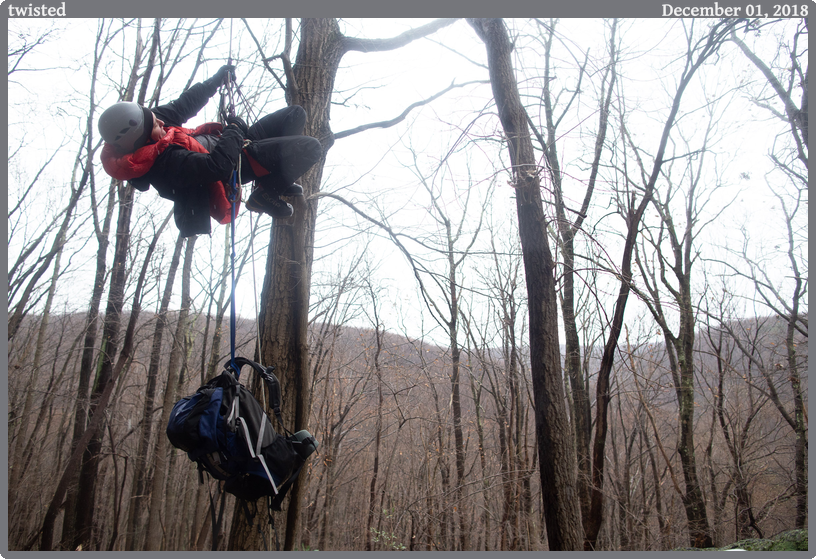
(126, 125)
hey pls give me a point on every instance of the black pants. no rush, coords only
(279, 153)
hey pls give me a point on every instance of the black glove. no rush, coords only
(237, 122)
(221, 75)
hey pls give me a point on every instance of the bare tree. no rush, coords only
(447, 312)
(22, 43)
(787, 298)
(633, 208)
(503, 379)
(788, 76)
(110, 336)
(101, 227)
(590, 477)
(735, 427)
(558, 466)
(665, 260)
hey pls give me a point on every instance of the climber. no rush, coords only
(192, 167)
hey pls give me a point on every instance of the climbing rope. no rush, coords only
(228, 96)
(233, 90)
(229, 92)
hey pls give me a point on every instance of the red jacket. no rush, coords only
(134, 165)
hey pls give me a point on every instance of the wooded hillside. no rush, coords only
(395, 406)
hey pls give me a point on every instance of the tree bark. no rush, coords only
(558, 462)
(582, 416)
(285, 295)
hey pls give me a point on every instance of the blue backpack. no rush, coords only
(224, 430)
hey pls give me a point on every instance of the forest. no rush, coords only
(546, 288)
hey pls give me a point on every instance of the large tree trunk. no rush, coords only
(284, 305)
(581, 413)
(693, 501)
(285, 296)
(558, 463)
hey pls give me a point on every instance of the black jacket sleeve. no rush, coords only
(176, 113)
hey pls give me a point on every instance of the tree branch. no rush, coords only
(264, 59)
(391, 234)
(379, 45)
(401, 117)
